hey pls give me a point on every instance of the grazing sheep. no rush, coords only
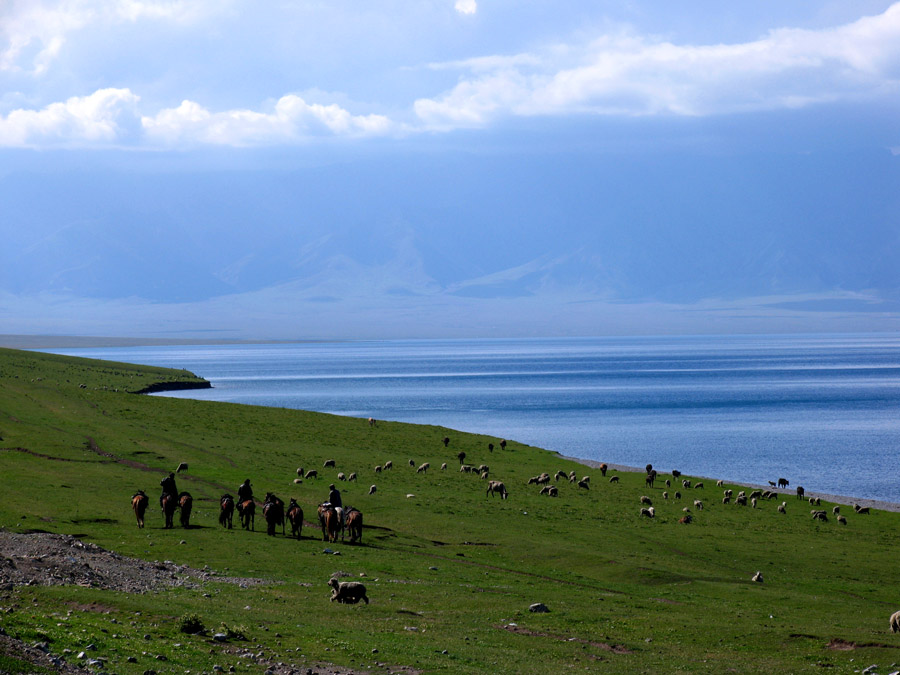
(742, 494)
(836, 510)
(646, 500)
(341, 476)
(753, 502)
(677, 495)
(465, 468)
(685, 483)
(603, 469)
(484, 475)
(698, 505)
(813, 501)
(614, 479)
(412, 464)
(300, 472)
(496, 487)
(819, 515)
(372, 490)
(423, 468)
(347, 592)
(572, 477)
(665, 495)
(741, 499)
(584, 484)
(329, 463)
(560, 474)
(756, 494)
(782, 507)
(550, 490)
(378, 469)
(768, 494)
(895, 622)
(729, 493)
(676, 474)
(444, 466)
(351, 477)
(388, 465)
(410, 495)
(182, 467)
(720, 483)
(686, 509)
(686, 519)
(757, 577)
(698, 486)
(862, 510)
(841, 519)
(668, 483)
(312, 473)
(648, 512)
(298, 481)
(726, 500)
(371, 421)
(483, 468)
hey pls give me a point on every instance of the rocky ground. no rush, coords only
(53, 559)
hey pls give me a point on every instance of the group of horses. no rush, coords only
(333, 520)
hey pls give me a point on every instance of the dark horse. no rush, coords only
(295, 515)
(273, 511)
(247, 511)
(185, 503)
(169, 503)
(139, 503)
(226, 511)
(330, 522)
(354, 525)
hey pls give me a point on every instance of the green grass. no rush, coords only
(450, 573)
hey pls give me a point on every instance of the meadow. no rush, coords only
(450, 571)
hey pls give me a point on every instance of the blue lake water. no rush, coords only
(820, 410)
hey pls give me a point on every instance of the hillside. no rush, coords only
(450, 572)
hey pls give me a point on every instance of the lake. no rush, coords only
(820, 410)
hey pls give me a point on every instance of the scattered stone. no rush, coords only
(539, 608)
(220, 637)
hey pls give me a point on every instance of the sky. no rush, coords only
(448, 168)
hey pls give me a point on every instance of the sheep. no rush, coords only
(782, 508)
(698, 504)
(646, 500)
(676, 474)
(665, 495)
(668, 483)
(312, 473)
(550, 491)
(649, 513)
(861, 510)
(329, 463)
(836, 510)
(753, 502)
(341, 476)
(371, 421)
(347, 592)
(813, 501)
(483, 468)
(757, 577)
(728, 493)
(614, 479)
(756, 494)
(584, 484)
(685, 483)
(726, 500)
(819, 515)
(444, 466)
(841, 519)
(720, 483)
(182, 467)
(741, 499)
(388, 465)
(686, 519)
(465, 468)
(560, 474)
(300, 472)
(372, 490)
(484, 475)
(298, 481)
(412, 464)
(378, 469)
(496, 487)
(423, 468)
(686, 509)
(543, 479)
(677, 495)
(698, 486)
(895, 622)
(351, 477)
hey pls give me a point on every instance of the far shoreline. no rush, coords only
(40, 342)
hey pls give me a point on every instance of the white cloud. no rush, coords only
(102, 118)
(466, 6)
(292, 120)
(625, 74)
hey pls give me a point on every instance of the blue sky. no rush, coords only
(448, 168)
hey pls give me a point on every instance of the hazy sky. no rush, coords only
(448, 167)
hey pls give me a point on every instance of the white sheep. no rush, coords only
(782, 508)
(698, 504)
(895, 622)
(372, 490)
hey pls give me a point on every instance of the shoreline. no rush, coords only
(844, 500)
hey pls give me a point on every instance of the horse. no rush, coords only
(185, 503)
(226, 511)
(328, 519)
(273, 512)
(139, 503)
(295, 515)
(247, 511)
(169, 503)
(354, 525)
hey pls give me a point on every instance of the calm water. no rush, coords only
(822, 411)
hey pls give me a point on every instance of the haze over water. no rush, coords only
(820, 410)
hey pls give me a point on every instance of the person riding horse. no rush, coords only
(168, 487)
(334, 498)
(245, 492)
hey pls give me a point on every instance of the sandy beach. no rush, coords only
(788, 493)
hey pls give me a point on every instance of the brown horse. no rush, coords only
(247, 511)
(354, 525)
(169, 504)
(226, 511)
(330, 522)
(295, 515)
(185, 503)
(273, 512)
(139, 505)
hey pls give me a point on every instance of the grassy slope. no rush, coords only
(447, 569)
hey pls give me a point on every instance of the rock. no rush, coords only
(220, 637)
(539, 608)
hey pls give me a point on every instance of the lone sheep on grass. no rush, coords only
(841, 519)
(895, 622)
(182, 467)
(347, 592)
(328, 463)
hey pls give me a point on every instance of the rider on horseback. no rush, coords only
(245, 492)
(168, 487)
